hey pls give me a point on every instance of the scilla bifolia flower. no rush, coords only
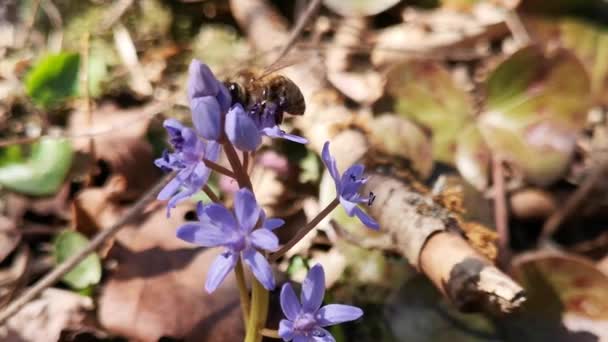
(217, 226)
(347, 188)
(305, 318)
(187, 160)
(209, 101)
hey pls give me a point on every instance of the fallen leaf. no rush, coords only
(43, 319)
(88, 271)
(158, 287)
(120, 141)
(9, 237)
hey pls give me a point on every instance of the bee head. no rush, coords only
(237, 92)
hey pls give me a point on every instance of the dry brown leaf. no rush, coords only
(9, 237)
(44, 319)
(158, 287)
(120, 141)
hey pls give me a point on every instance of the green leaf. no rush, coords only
(53, 79)
(425, 92)
(43, 172)
(88, 271)
(536, 106)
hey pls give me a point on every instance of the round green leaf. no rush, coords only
(88, 271)
(53, 79)
(426, 92)
(536, 105)
(359, 8)
(43, 172)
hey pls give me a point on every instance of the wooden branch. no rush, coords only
(428, 238)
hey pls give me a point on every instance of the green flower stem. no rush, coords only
(270, 333)
(244, 294)
(302, 232)
(259, 311)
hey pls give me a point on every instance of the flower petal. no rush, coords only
(313, 289)
(301, 338)
(212, 150)
(218, 271)
(201, 81)
(242, 130)
(218, 215)
(273, 223)
(246, 209)
(330, 163)
(207, 117)
(202, 235)
(337, 313)
(348, 206)
(366, 219)
(289, 302)
(286, 330)
(169, 189)
(277, 132)
(224, 98)
(264, 239)
(322, 335)
(259, 267)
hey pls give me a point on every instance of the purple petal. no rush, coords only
(218, 215)
(289, 302)
(313, 289)
(286, 330)
(242, 130)
(301, 338)
(264, 239)
(200, 210)
(273, 223)
(202, 235)
(277, 132)
(366, 219)
(212, 150)
(322, 335)
(330, 163)
(201, 81)
(224, 98)
(246, 209)
(348, 206)
(259, 267)
(337, 313)
(222, 265)
(207, 117)
(169, 189)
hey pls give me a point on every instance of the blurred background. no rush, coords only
(495, 110)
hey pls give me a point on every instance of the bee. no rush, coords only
(270, 90)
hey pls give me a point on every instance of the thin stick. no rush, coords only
(239, 272)
(30, 23)
(219, 168)
(212, 196)
(302, 232)
(500, 209)
(517, 28)
(303, 20)
(572, 204)
(52, 277)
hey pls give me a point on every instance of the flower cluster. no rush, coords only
(245, 233)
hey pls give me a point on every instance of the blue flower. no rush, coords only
(217, 226)
(347, 188)
(305, 317)
(187, 160)
(245, 129)
(209, 101)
